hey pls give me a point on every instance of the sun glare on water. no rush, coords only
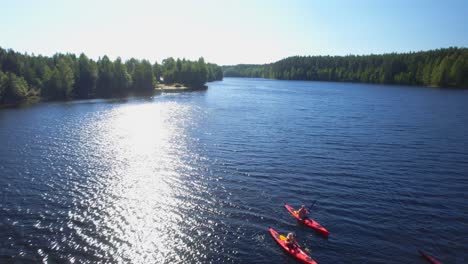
(133, 203)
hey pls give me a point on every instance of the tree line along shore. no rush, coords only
(438, 68)
(67, 76)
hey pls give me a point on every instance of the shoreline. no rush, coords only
(28, 101)
(159, 88)
(171, 88)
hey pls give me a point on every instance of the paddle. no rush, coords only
(313, 204)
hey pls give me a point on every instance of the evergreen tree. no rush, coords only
(3, 79)
(122, 81)
(143, 77)
(105, 77)
(12, 88)
(61, 82)
(85, 86)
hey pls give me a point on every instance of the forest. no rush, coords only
(437, 68)
(66, 76)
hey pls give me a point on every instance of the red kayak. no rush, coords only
(295, 252)
(429, 258)
(308, 221)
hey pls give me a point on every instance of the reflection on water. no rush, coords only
(98, 182)
(132, 206)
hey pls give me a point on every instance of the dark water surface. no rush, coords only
(199, 177)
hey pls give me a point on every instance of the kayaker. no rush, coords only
(302, 212)
(290, 241)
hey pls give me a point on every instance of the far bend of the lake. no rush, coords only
(198, 177)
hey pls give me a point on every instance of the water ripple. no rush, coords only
(198, 177)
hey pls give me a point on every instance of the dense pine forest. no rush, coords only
(440, 68)
(66, 76)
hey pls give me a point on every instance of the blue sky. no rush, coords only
(231, 32)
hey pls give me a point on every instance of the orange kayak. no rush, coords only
(296, 252)
(308, 221)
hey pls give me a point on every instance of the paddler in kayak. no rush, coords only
(302, 212)
(290, 241)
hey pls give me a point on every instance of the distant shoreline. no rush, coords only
(443, 68)
(176, 87)
(159, 88)
(355, 82)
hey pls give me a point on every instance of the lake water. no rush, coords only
(199, 177)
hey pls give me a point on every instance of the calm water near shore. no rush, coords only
(198, 177)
